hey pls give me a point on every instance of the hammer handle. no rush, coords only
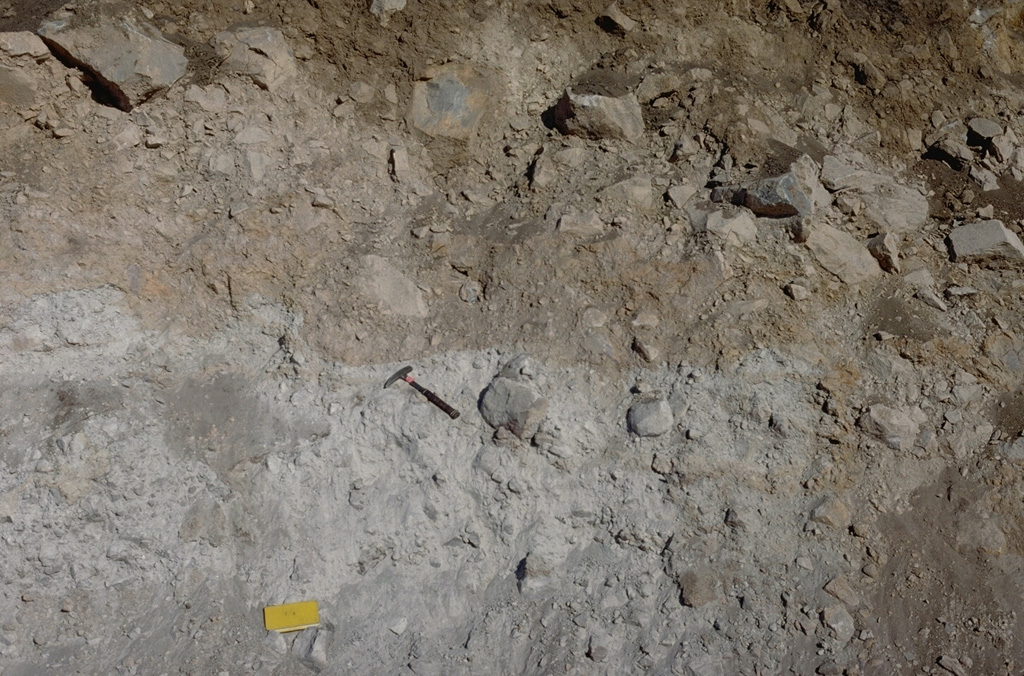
(435, 400)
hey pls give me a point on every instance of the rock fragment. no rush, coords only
(584, 224)
(798, 192)
(839, 620)
(734, 226)
(952, 665)
(832, 512)
(893, 426)
(129, 58)
(636, 192)
(984, 128)
(842, 255)
(451, 100)
(885, 249)
(383, 9)
(596, 110)
(260, 53)
(650, 418)
(23, 43)
(614, 21)
(513, 405)
(986, 242)
(894, 207)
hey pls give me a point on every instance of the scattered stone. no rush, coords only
(734, 226)
(885, 249)
(832, 512)
(398, 628)
(636, 192)
(650, 418)
(952, 665)
(513, 405)
(596, 651)
(584, 224)
(383, 9)
(129, 58)
(840, 588)
(896, 428)
(931, 298)
(534, 575)
(797, 291)
(986, 242)
(17, 89)
(260, 53)
(451, 100)
(842, 255)
(985, 178)
(649, 353)
(891, 206)
(23, 43)
(839, 621)
(323, 202)
(985, 129)
(680, 194)
(360, 92)
(614, 21)
(795, 193)
(657, 85)
(600, 111)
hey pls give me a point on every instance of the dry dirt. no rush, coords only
(200, 300)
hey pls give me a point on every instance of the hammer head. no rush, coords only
(400, 374)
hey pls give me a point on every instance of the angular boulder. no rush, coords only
(261, 53)
(842, 255)
(798, 192)
(129, 59)
(986, 242)
(893, 207)
(600, 106)
(893, 426)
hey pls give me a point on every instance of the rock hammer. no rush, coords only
(403, 374)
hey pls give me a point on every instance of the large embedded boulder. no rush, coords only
(129, 59)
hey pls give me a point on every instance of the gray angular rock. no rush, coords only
(885, 249)
(614, 21)
(513, 405)
(262, 53)
(650, 418)
(735, 226)
(832, 512)
(23, 43)
(798, 192)
(599, 115)
(986, 242)
(451, 100)
(984, 128)
(839, 620)
(842, 255)
(129, 58)
(383, 9)
(894, 207)
(893, 426)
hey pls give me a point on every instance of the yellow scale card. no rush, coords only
(291, 616)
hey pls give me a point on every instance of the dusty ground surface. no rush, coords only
(736, 450)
